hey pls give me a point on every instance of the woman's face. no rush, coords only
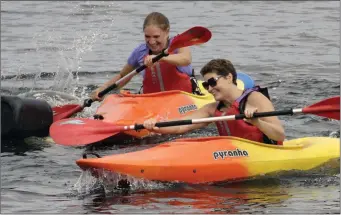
(218, 85)
(156, 38)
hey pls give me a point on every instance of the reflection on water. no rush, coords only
(23, 145)
(259, 195)
(231, 198)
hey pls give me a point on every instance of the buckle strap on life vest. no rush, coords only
(247, 92)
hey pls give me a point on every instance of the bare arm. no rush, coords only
(270, 126)
(125, 70)
(203, 112)
(182, 58)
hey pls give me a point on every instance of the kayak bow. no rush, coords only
(217, 159)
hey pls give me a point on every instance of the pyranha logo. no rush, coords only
(186, 108)
(73, 122)
(230, 153)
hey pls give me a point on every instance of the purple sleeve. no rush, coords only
(132, 59)
(185, 69)
(137, 55)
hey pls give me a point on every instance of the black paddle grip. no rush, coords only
(141, 68)
(265, 114)
(161, 55)
(87, 102)
(155, 59)
(166, 124)
(107, 90)
(173, 123)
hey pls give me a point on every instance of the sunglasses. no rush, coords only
(211, 82)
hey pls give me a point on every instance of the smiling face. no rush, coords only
(156, 38)
(218, 85)
(224, 87)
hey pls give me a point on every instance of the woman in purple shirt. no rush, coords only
(170, 73)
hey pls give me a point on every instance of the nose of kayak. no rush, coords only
(86, 163)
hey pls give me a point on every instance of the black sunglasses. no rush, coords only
(211, 82)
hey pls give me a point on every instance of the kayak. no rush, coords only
(127, 108)
(216, 159)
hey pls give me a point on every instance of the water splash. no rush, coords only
(111, 183)
(85, 185)
(52, 97)
(335, 134)
(62, 53)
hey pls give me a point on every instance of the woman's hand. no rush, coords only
(94, 95)
(249, 114)
(148, 60)
(149, 124)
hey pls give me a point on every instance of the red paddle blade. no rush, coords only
(193, 36)
(327, 108)
(65, 111)
(81, 131)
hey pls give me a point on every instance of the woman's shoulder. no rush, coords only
(139, 51)
(257, 98)
(142, 47)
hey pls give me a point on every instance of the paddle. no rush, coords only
(193, 36)
(78, 131)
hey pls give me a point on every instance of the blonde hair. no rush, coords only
(157, 19)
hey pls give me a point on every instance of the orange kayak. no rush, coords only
(127, 108)
(217, 159)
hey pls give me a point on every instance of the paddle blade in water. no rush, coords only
(194, 36)
(65, 111)
(79, 131)
(327, 108)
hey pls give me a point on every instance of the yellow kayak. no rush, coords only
(217, 159)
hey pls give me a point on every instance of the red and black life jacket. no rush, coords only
(240, 128)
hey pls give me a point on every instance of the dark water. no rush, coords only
(72, 47)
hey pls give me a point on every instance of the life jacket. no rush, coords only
(240, 128)
(163, 76)
(194, 84)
